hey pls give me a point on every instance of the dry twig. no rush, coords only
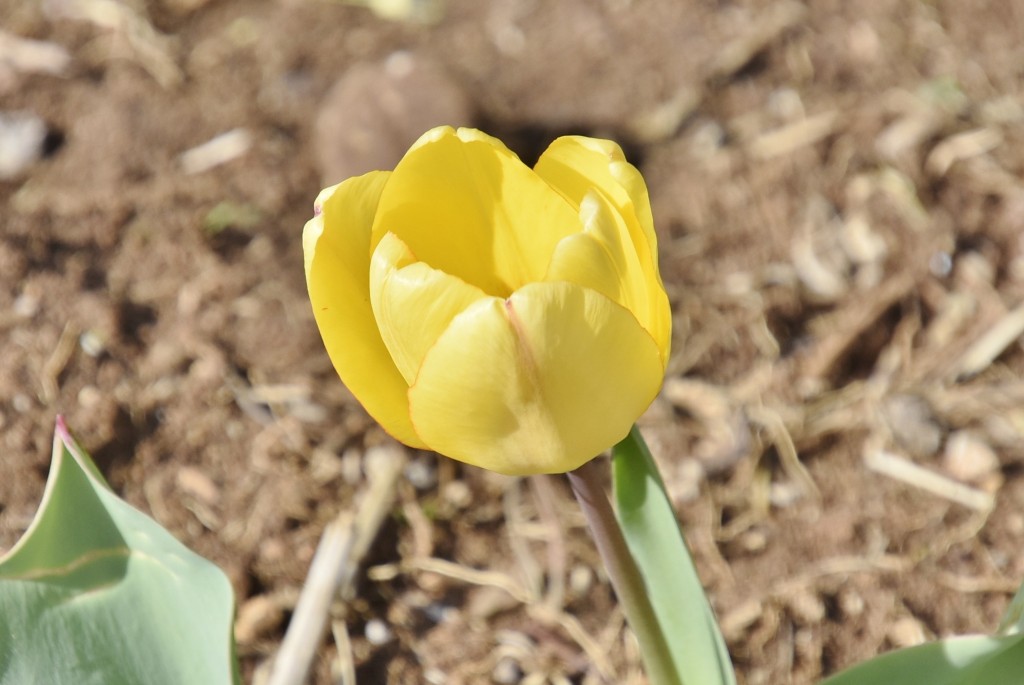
(342, 547)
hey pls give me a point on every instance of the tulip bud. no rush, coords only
(507, 317)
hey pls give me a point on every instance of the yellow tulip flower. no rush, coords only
(507, 317)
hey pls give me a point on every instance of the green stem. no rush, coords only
(624, 574)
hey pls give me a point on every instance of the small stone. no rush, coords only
(851, 603)
(581, 579)
(434, 676)
(685, 481)
(352, 466)
(421, 473)
(759, 676)
(806, 608)
(439, 613)
(753, 541)
(324, 465)
(785, 494)
(906, 632)
(806, 644)
(969, 459)
(89, 397)
(940, 264)
(458, 494)
(377, 632)
(21, 402)
(273, 550)
(376, 111)
(516, 641)
(913, 425)
(26, 306)
(92, 343)
(22, 136)
(707, 139)
(786, 105)
(507, 671)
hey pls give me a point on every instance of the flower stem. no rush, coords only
(624, 574)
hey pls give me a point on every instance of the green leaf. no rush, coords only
(966, 660)
(97, 592)
(656, 542)
(1013, 617)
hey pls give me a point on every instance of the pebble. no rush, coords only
(684, 483)
(26, 306)
(913, 425)
(516, 641)
(22, 137)
(437, 612)
(377, 632)
(851, 603)
(759, 676)
(940, 264)
(375, 111)
(906, 632)
(753, 541)
(21, 402)
(969, 459)
(458, 494)
(785, 494)
(89, 397)
(507, 671)
(707, 139)
(434, 676)
(352, 466)
(581, 579)
(421, 473)
(92, 343)
(806, 608)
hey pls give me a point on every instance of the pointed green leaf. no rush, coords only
(1013, 617)
(967, 660)
(97, 592)
(656, 542)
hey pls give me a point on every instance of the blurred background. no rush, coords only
(838, 195)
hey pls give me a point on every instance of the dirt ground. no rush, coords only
(838, 194)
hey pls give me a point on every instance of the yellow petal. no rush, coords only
(602, 257)
(581, 259)
(336, 244)
(413, 303)
(466, 205)
(538, 383)
(576, 166)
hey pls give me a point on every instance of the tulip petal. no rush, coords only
(336, 246)
(602, 257)
(538, 383)
(575, 166)
(413, 303)
(583, 260)
(466, 205)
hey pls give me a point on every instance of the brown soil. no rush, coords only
(838, 193)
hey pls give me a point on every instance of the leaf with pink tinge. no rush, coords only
(97, 592)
